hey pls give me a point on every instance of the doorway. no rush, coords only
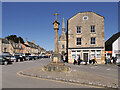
(85, 57)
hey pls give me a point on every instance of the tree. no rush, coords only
(15, 39)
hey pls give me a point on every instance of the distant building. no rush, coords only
(112, 47)
(26, 49)
(33, 47)
(15, 47)
(62, 40)
(4, 45)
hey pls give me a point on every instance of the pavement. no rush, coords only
(12, 79)
(100, 76)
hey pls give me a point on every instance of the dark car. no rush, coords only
(28, 57)
(34, 58)
(18, 58)
(5, 61)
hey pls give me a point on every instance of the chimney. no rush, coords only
(33, 41)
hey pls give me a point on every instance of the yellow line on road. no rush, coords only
(18, 73)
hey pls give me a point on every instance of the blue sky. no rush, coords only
(34, 20)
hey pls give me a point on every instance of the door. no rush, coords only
(85, 57)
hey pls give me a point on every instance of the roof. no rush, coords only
(26, 45)
(32, 45)
(56, 22)
(4, 41)
(108, 43)
(15, 45)
(86, 12)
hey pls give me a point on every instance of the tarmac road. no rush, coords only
(10, 78)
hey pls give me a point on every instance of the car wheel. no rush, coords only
(14, 60)
(5, 63)
(18, 60)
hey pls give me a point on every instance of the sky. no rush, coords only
(34, 20)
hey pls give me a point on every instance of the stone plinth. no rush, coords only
(56, 57)
(56, 67)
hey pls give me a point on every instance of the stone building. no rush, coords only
(85, 37)
(4, 45)
(15, 47)
(33, 47)
(26, 48)
(62, 40)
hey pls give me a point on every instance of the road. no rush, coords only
(107, 71)
(10, 78)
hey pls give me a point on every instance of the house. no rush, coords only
(112, 46)
(26, 49)
(33, 47)
(85, 37)
(4, 45)
(15, 47)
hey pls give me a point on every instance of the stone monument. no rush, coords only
(56, 64)
(56, 57)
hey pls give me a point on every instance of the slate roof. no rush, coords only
(4, 41)
(32, 45)
(15, 45)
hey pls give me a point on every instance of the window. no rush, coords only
(92, 54)
(85, 18)
(93, 40)
(78, 29)
(78, 41)
(73, 54)
(98, 54)
(63, 46)
(93, 28)
(5, 45)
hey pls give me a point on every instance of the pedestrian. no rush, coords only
(85, 62)
(74, 62)
(115, 59)
(79, 60)
(90, 60)
(95, 60)
(62, 58)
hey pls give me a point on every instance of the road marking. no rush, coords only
(18, 73)
(108, 69)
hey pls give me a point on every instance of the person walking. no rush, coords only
(115, 60)
(95, 60)
(79, 60)
(90, 60)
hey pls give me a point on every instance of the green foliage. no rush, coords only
(15, 38)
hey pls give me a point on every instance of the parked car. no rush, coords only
(4, 60)
(28, 57)
(12, 58)
(18, 58)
